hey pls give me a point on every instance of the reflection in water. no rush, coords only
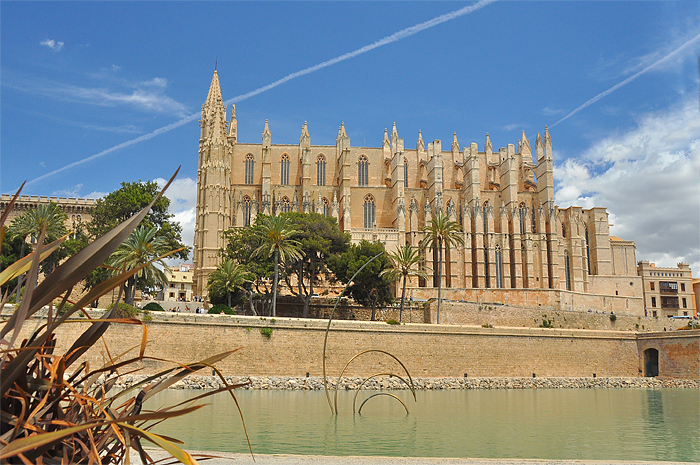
(591, 424)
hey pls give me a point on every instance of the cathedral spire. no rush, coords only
(385, 142)
(305, 137)
(455, 143)
(233, 126)
(420, 145)
(341, 130)
(488, 148)
(267, 135)
(524, 145)
(394, 132)
(213, 120)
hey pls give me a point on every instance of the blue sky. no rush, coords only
(79, 78)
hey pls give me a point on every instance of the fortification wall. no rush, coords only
(546, 299)
(294, 348)
(472, 313)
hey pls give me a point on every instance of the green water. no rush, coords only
(591, 424)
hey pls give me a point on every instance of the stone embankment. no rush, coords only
(315, 383)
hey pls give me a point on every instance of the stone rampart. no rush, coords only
(293, 347)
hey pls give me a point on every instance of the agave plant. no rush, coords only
(56, 410)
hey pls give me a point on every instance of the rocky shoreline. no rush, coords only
(315, 383)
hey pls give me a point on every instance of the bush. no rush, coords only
(153, 307)
(218, 308)
(124, 310)
(392, 322)
(613, 317)
(146, 318)
(266, 331)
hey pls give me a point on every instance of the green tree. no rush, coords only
(441, 233)
(30, 223)
(11, 252)
(369, 288)
(276, 233)
(129, 199)
(141, 247)
(240, 245)
(228, 277)
(319, 238)
(404, 264)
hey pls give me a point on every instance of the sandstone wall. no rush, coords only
(472, 313)
(294, 348)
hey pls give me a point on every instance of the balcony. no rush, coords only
(666, 287)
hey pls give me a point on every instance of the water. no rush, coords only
(557, 424)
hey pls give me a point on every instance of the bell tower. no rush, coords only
(213, 186)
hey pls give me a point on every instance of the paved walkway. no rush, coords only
(224, 458)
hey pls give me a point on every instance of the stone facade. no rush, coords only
(515, 236)
(78, 210)
(179, 284)
(667, 291)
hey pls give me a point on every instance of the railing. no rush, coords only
(371, 234)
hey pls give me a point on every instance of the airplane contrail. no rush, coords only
(673, 54)
(402, 34)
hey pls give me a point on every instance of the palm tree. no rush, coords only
(31, 222)
(141, 247)
(276, 233)
(403, 264)
(228, 277)
(441, 232)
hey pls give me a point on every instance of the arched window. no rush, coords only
(369, 211)
(362, 171)
(321, 170)
(284, 170)
(286, 205)
(567, 269)
(534, 219)
(246, 210)
(249, 163)
(499, 267)
(521, 213)
(405, 172)
(563, 229)
(326, 207)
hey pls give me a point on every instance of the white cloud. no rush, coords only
(95, 195)
(511, 127)
(183, 204)
(54, 45)
(551, 111)
(69, 192)
(42, 164)
(648, 179)
(156, 82)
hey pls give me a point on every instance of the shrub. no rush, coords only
(153, 307)
(392, 322)
(266, 331)
(124, 310)
(146, 318)
(487, 325)
(547, 323)
(613, 317)
(218, 308)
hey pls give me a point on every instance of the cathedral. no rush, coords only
(515, 237)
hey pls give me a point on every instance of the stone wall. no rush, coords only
(679, 352)
(547, 299)
(472, 313)
(295, 346)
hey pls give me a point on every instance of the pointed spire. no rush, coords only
(341, 130)
(393, 131)
(385, 142)
(214, 112)
(233, 126)
(266, 130)
(305, 137)
(266, 135)
(455, 143)
(547, 138)
(420, 145)
(487, 146)
(214, 95)
(524, 145)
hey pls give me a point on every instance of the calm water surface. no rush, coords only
(595, 424)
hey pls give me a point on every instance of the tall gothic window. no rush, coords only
(284, 170)
(246, 210)
(326, 207)
(369, 211)
(321, 170)
(521, 214)
(563, 229)
(249, 163)
(286, 205)
(567, 269)
(405, 173)
(534, 219)
(486, 216)
(486, 267)
(588, 249)
(362, 171)
(499, 267)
